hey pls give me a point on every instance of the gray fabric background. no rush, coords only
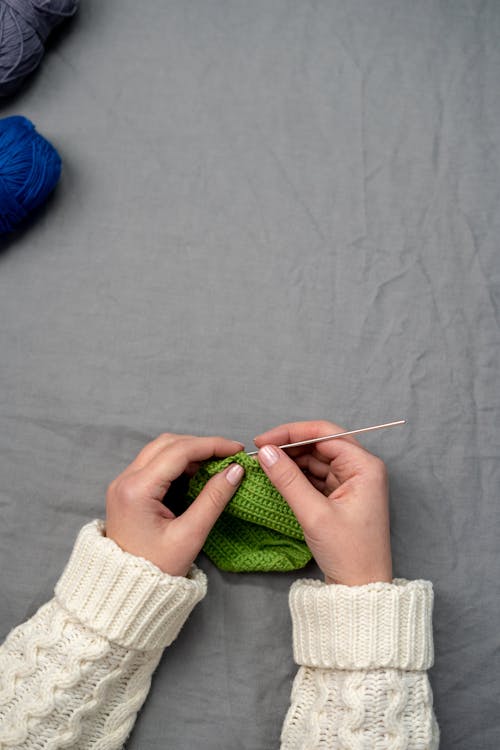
(269, 211)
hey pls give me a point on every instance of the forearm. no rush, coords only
(79, 670)
(363, 654)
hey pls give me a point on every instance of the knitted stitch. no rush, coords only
(363, 652)
(258, 530)
(363, 627)
(125, 597)
(77, 672)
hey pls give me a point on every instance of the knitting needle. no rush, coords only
(337, 435)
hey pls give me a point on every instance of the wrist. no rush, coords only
(361, 579)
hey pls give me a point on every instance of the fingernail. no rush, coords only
(269, 455)
(234, 474)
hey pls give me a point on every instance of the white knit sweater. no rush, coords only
(76, 674)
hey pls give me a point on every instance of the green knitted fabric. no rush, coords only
(257, 531)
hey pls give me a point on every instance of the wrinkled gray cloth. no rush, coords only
(269, 211)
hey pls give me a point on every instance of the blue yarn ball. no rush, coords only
(29, 170)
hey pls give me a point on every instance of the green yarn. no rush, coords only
(258, 530)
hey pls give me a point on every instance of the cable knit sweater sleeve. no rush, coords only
(363, 652)
(76, 673)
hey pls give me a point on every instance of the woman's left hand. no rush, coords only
(137, 518)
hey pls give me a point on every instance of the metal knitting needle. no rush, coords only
(337, 435)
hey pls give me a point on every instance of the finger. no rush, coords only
(313, 466)
(291, 483)
(192, 468)
(319, 473)
(204, 511)
(151, 450)
(347, 457)
(294, 432)
(319, 484)
(331, 483)
(156, 477)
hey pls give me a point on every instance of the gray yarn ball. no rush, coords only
(24, 28)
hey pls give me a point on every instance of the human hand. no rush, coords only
(340, 496)
(139, 522)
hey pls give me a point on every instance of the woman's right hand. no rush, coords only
(339, 494)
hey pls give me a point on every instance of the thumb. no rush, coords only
(204, 511)
(289, 480)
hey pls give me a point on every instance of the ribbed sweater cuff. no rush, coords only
(125, 598)
(375, 626)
